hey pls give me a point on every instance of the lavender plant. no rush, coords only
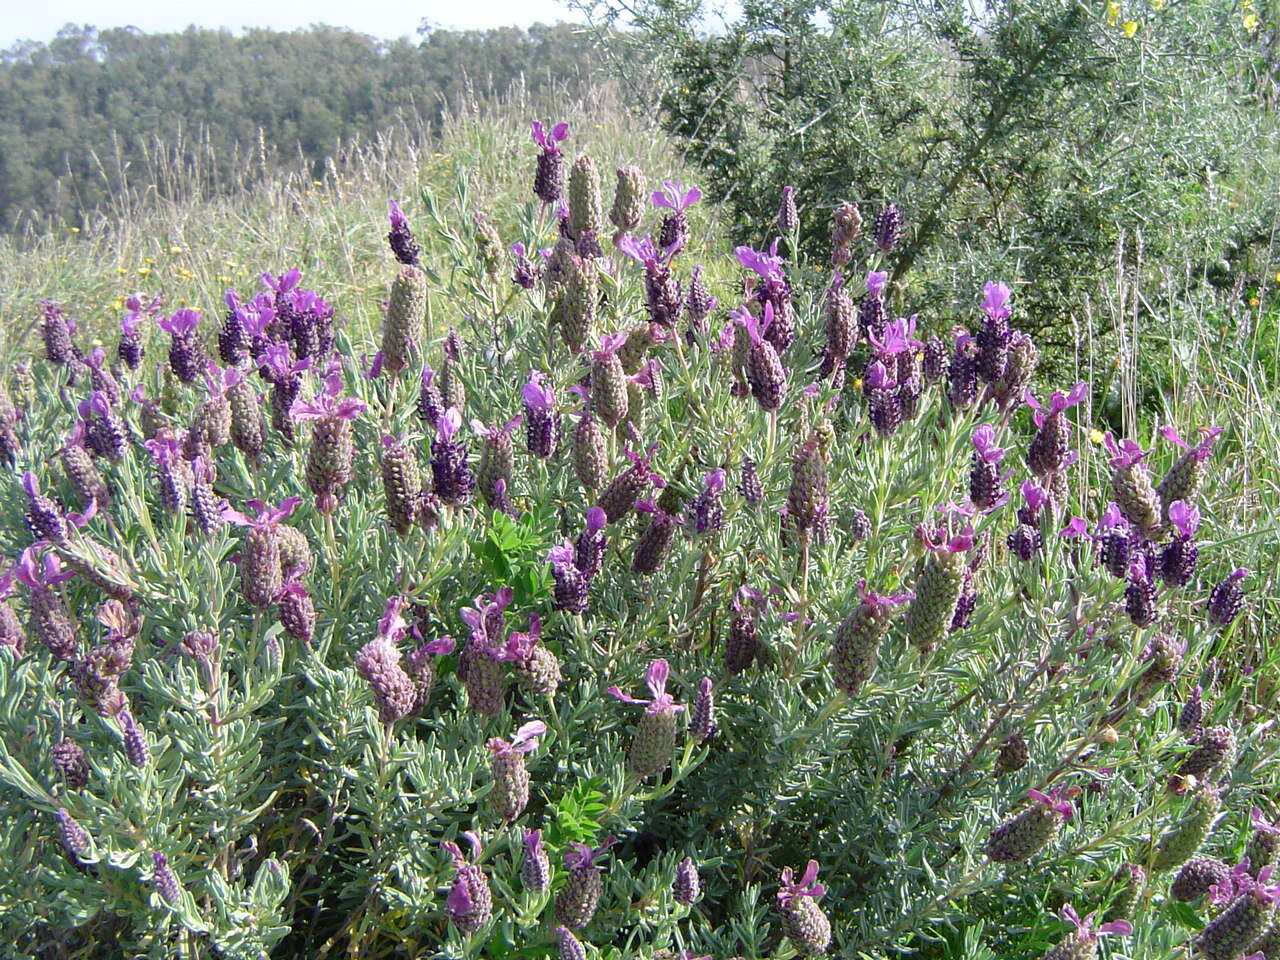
(222, 739)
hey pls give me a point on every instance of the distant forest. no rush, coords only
(79, 110)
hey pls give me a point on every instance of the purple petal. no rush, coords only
(450, 422)
(617, 694)
(655, 677)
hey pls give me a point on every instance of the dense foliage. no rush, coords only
(1051, 140)
(889, 595)
(93, 113)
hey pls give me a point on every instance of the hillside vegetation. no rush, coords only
(801, 613)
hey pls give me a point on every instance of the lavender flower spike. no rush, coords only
(403, 246)
(548, 180)
(706, 513)
(674, 231)
(655, 737)
(1081, 942)
(469, 904)
(1048, 449)
(580, 895)
(985, 480)
(702, 720)
(803, 921)
(1178, 559)
(510, 792)
(535, 869)
(1226, 599)
(451, 473)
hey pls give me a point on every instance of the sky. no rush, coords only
(386, 19)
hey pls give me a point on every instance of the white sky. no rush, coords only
(386, 19)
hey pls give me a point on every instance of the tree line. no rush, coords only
(92, 108)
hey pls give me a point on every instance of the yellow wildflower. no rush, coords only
(1113, 13)
(75, 229)
(1253, 301)
(175, 250)
(1096, 436)
(1251, 21)
(1130, 28)
(144, 271)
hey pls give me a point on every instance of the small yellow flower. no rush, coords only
(75, 229)
(437, 155)
(1096, 436)
(122, 270)
(223, 278)
(1278, 277)
(857, 383)
(144, 271)
(175, 250)
(1253, 301)
(230, 263)
(148, 259)
(1251, 21)
(317, 183)
(1130, 28)
(118, 302)
(1113, 13)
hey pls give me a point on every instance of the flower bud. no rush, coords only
(579, 302)
(69, 760)
(248, 431)
(1026, 834)
(162, 878)
(856, 643)
(1227, 598)
(803, 922)
(580, 896)
(535, 868)
(470, 903)
(378, 662)
(1209, 760)
(586, 209)
(628, 201)
(510, 794)
(888, 228)
(1013, 756)
(74, 837)
(702, 720)
(937, 593)
(135, 741)
(402, 328)
(1182, 839)
(590, 460)
(687, 887)
(1196, 877)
